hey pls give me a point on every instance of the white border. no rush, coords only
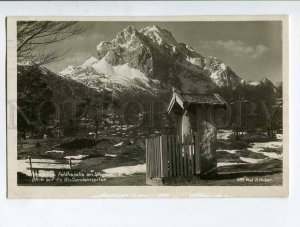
(149, 212)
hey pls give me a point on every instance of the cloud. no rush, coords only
(236, 47)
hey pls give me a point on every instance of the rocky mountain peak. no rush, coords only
(221, 73)
(126, 35)
(152, 59)
(159, 35)
(266, 81)
(130, 29)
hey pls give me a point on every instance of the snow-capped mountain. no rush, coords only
(151, 61)
(99, 74)
(222, 74)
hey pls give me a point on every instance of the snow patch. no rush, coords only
(69, 70)
(223, 66)
(229, 151)
(229, 164)
(254, 83)
(251, 160)
(54, 151)
(111, 155)
(76, 157)
(258, 147)
(121, 74)
(224, 134)
(99, 74)
(194, 61)
(89, 62)
(118, 144)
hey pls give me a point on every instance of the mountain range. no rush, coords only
(152, 61)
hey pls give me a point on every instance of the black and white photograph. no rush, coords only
(149, 102)
(150, 113)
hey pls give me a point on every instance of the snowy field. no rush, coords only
(256, 147)
(254, 153)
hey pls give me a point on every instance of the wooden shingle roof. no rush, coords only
(184, 99)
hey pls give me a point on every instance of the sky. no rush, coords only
(252, 49)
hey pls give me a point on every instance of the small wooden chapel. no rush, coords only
(193, 111)
(191, 149)
(193, 115)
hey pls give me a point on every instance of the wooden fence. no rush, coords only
(167, 156)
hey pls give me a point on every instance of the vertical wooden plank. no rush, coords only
(186, 149)
(189, 154)
(150, 157)
(159, 156)
(197, 154)
(177, 156)
(156, 151)
(173, 156)
(192, 153)
(155, 139)
(162, 156)
(185, 156)
(153, 158)
(165, 155)
(200, 151)
(180, 159)
(147, 165)
(170, 156)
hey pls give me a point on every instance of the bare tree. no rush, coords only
(34, 36)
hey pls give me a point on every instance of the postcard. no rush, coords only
(190, 106)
